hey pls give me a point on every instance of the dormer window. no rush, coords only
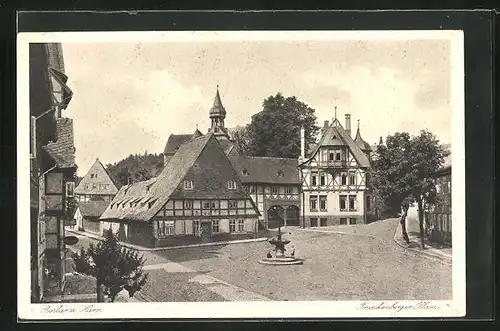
(231, 185)
(245, 172)
(188, 184)
(150, 204)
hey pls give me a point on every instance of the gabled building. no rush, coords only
(273, 183)
(96, 185)
(198, 197)
(335, 185)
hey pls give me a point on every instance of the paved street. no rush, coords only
(361, 263)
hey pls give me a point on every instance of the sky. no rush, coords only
(129, 97)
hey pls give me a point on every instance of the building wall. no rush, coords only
(439, 219)
(265, 196)
(92, 225)
(92, 197)
(347, 180)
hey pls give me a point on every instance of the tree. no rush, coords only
(402, 174)
(275, 131)
(241, 140)
(115, 268)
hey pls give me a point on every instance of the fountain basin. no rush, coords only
(285, 260)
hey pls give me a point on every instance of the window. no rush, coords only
(252, 189)
(70, 189)
(322, 180)
(343, 221)
(337, 156)
(94, 186)
(215, 226)
(241, 225)
(231, 185)
(280, 173)
(196, 227)
(331, 156)
(313, 203)
(314, 179)
(206, 204)
(166, 228)
(232, 225)
(188, 204)
(87, 186)
(111, 206)
(245, 172)
(322, 221)
(274, 189)
(130, 205)
(343, 178)
(352, 178)
(188, 184)
(322, 203)
(151, 203)
(343, 202)
(233, 204)
(314, 221)
(288, 190)
(91, 175)
(352, 202)
(352, 221)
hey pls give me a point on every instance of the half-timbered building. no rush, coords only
(96, 185)
(52, 167)
(335, 185)
(198, 197)
(273, 183)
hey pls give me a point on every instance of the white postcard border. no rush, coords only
(274, 309)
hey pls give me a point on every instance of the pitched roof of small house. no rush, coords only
(96, 181)
(141, 201)
(92, 208)
(62, 151)
(272, 170)
(335, 135)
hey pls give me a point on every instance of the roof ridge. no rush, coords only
(269, 157)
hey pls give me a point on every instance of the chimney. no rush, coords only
(348, 123)
(302, 142)
(129, 180)
(380, 142)
(327, 124)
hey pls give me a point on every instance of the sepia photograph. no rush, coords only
(241, 174)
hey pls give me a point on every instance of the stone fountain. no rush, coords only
(280, 258)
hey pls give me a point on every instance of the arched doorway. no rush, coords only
(292, 215)
(275, 217)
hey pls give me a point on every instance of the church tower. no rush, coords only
(217, 116)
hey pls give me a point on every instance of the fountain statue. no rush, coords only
(280, 258)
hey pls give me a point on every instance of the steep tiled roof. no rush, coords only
(270, 170)
(160, 190)
(62, 151)
(335, 135)
(175, 141)
(361, 143)
(92, 208)
(96, 181)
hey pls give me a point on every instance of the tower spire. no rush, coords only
(217, 115)
(335, 113)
